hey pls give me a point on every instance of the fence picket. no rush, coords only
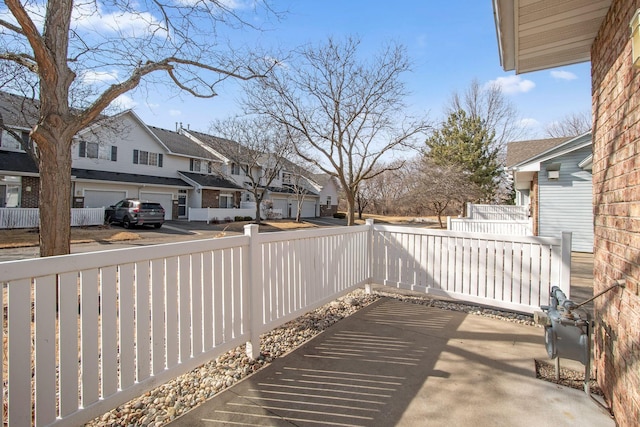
(108, 330)
(142, 318)
(45, 349)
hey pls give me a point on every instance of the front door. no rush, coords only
(182, 203)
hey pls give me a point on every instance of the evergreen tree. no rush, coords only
(467, 143)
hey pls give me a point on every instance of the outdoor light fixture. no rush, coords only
(635, 39)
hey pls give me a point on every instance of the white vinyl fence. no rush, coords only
(510, 272)
(218, 214)
(128, 320)
(30, 217)
(508, 227)
(84, 333)
(497, 212)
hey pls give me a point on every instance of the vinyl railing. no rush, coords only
(508, 227)
(30, 217)
(497, 212)
(84, 333)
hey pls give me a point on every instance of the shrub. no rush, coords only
(228, 219)
(340, 215)
(248, 218)
(238, 218)
(214, 220)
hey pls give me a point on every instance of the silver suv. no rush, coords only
(131, 212)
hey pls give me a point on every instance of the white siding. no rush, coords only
(566, 204)
(127, 134)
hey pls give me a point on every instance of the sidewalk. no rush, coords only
(400, 364)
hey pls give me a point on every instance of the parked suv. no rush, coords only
(131, 212)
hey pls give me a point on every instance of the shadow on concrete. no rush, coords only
(397, 363)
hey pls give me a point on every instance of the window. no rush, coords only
(7, 140)
(286, 178)
(226, 201)
(328, 201)
(93, 150)
(194, 165)
(209, 167)
(147, 158)
(235, 169)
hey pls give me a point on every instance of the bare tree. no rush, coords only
(298, 184)
(488, 104)
(570, 125)
(254, 145)
(63, 51)
(345, 112)
(435, 187)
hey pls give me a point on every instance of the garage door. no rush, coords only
(281, 205)
(100, 198)
(165, 199)
(309, 209)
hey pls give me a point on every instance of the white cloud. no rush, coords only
(175, 113)
(563, 75)
(93, 17)
(99, 76)
(528, 123)
(512, 84)
(124, 102)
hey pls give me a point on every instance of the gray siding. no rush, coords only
(566, 204)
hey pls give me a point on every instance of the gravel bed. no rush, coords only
(172, 399)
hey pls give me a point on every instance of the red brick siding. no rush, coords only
(30, 199)
(210, 198)
(616, 190)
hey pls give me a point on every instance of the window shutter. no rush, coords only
(135, 157)
(114, 153)
(83, 149)
(160, 160)
(191, 165)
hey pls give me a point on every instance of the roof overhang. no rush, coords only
(540, 34)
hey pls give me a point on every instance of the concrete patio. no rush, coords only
(401, 364)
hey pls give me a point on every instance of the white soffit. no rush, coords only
(540, 34)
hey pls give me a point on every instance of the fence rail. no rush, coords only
(84, 333)
(497, 212)
(30, 217)
(508, 227)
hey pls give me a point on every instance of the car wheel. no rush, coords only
(157, 225)
(126, 222)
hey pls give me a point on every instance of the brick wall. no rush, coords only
(210, 199)
(30, 199)
(328, 210)
(616, 190)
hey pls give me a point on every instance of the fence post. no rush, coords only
(565, 264)
(367, 286)
(449, 223)
(254, 309)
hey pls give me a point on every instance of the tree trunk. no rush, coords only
(258, 205)
(55, 196)
(351, 220)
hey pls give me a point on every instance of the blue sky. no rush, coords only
(450, 43)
